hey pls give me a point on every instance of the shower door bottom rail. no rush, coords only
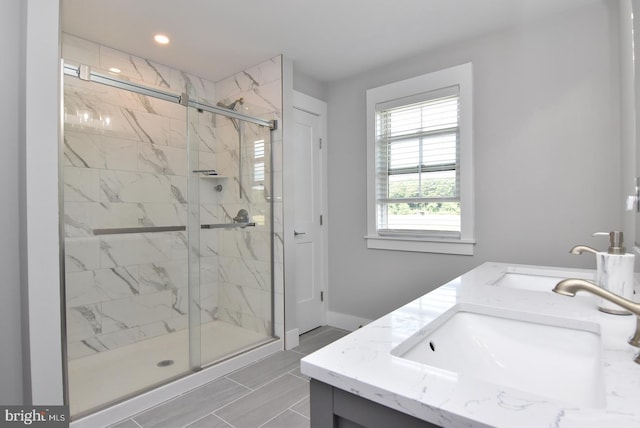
(156, 229)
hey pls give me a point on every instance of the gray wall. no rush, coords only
(10, 331)
(547, 158)
(308, 85)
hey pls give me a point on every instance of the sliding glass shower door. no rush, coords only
(234, 190)
(167, 228)
(126, 251)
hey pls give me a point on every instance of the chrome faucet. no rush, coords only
(579, 249)
(569, 287)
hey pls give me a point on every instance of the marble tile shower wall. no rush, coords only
(125, 165)
(244, 295)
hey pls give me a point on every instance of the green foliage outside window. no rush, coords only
(438, 188)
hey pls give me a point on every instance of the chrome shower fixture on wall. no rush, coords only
(232, 107)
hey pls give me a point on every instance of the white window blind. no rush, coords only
(258, 164)
(418, 164)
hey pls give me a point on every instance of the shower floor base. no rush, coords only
(107, 377)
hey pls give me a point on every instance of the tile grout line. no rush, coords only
(294, 411)
(245, 395)
(135, 422)
(203, 417)
(299, 377)
(250, 390)
(266, 422)
(224, 420)
(298, 402)
(238, 383)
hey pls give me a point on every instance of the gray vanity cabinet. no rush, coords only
(334, 408)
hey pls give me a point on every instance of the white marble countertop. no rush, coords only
(362, 363)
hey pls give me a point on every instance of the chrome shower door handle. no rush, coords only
(296, 233)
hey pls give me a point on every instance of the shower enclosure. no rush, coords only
(168, 235)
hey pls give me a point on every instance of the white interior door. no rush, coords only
(306, 220)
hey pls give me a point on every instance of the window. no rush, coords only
(420, 164)
(258, 165)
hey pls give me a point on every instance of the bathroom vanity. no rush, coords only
(493, 347)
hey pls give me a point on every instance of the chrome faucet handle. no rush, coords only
(579, 249)
(242, 216)
(569, 287)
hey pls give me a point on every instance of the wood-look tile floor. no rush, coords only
(270, 393)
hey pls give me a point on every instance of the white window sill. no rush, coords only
(462, 247)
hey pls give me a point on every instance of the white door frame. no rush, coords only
(318, 108)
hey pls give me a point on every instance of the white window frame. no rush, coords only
(461, 76)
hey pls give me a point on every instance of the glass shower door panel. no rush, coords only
(235, 264)
(124, 170)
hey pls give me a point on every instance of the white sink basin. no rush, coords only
(523, 278)
(539, 356)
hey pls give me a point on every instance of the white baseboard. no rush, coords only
(345, 321)
(291, 339)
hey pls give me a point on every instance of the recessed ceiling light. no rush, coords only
(115, 70)
(161, 39)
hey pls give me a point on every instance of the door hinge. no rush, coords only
(320, 141)
(321, 220)
(322, 296)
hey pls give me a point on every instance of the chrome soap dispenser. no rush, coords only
(615, 272)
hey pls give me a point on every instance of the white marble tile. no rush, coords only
(209, 210)
(168, 109)
(169, 274)
(241, 299)
(124, 186)
(178, 133)
(115, 339)
(135, 68)
(179, 247)
(80, 289)
(179, 189)
(118, 282)
(82, 217)
(164, 160)
(179, 322)
(81, 253)
(208, 243)
(83, 322)
(208, 270)
(80, 150)
(254, 274)
(158, 328)
(148, 127)
(136, 311)
(136, 145)
(101, 111)
(205, 131)
(267, 71)
(81, 185)
(201, 89)
(180, 303)
(77, 217)
(80, 51)
(134, 249)
(78, 350)
(99, 151)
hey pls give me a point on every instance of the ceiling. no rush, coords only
(327, 40)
